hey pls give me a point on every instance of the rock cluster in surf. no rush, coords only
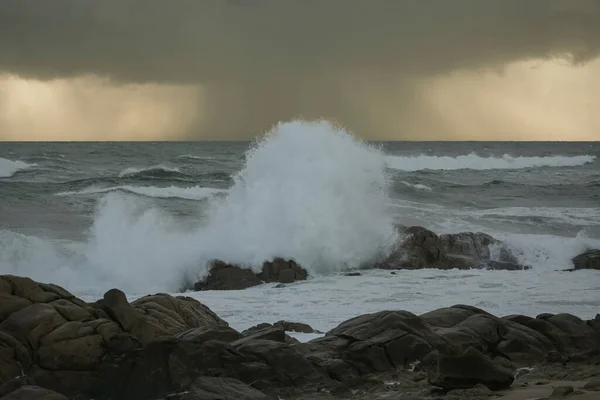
(223, 276)
(56, 346)
(422, 248)
(417, 248)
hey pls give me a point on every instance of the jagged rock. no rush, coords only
(588, 260)
(282, 271)
(161, 345)
(422, 248)
(67, 345)
(223, 276)
(467, 370)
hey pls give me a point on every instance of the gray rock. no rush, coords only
(422, 248)
(467, 370)
(587, 260)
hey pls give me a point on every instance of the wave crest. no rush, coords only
(187, 193)
(9, 167)
(154, 172)
(473, 161)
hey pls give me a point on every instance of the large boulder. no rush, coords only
(223, 276)
(421, 248)
(390, 340)
(467, 370)
(68, 346)
(587, 260)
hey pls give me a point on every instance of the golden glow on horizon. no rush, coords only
(529, 100)
(90, 108)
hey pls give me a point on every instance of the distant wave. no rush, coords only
(192, 157)
(417, 186)
(188, 193)
(473, 161)
(154, 172)
(567, 215)
(9, 167)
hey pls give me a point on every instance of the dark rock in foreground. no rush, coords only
(467, 370)
(588, 260)
(168, 347)
(223, 276)
(421, 248)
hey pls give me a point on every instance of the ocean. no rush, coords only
(144, 217)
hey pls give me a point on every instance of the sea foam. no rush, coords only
(308, 191)
(9, 167)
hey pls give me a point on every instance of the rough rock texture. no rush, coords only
(588, 260)
(175, 348)
(223, 276)
(422, 248)
(467, 370)
(67, 345)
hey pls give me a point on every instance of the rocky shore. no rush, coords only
(55, 346)
(417, 248)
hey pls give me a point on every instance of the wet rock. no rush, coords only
(422, 248)
(353, 274)
(282, 271)
(587, 260)
(467, 370)
(223, 276)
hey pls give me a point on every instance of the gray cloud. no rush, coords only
(265, 60)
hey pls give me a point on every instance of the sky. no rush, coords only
(231, 69)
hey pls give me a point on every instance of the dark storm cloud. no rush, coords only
(264, 60)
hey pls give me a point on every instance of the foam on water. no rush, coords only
(9, 167)
(417, 186)
(308, 191)
(187, 193)
(473, 161)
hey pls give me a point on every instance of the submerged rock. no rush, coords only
(223, 276)
(421, 248)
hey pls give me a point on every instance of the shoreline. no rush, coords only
(159, 345)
